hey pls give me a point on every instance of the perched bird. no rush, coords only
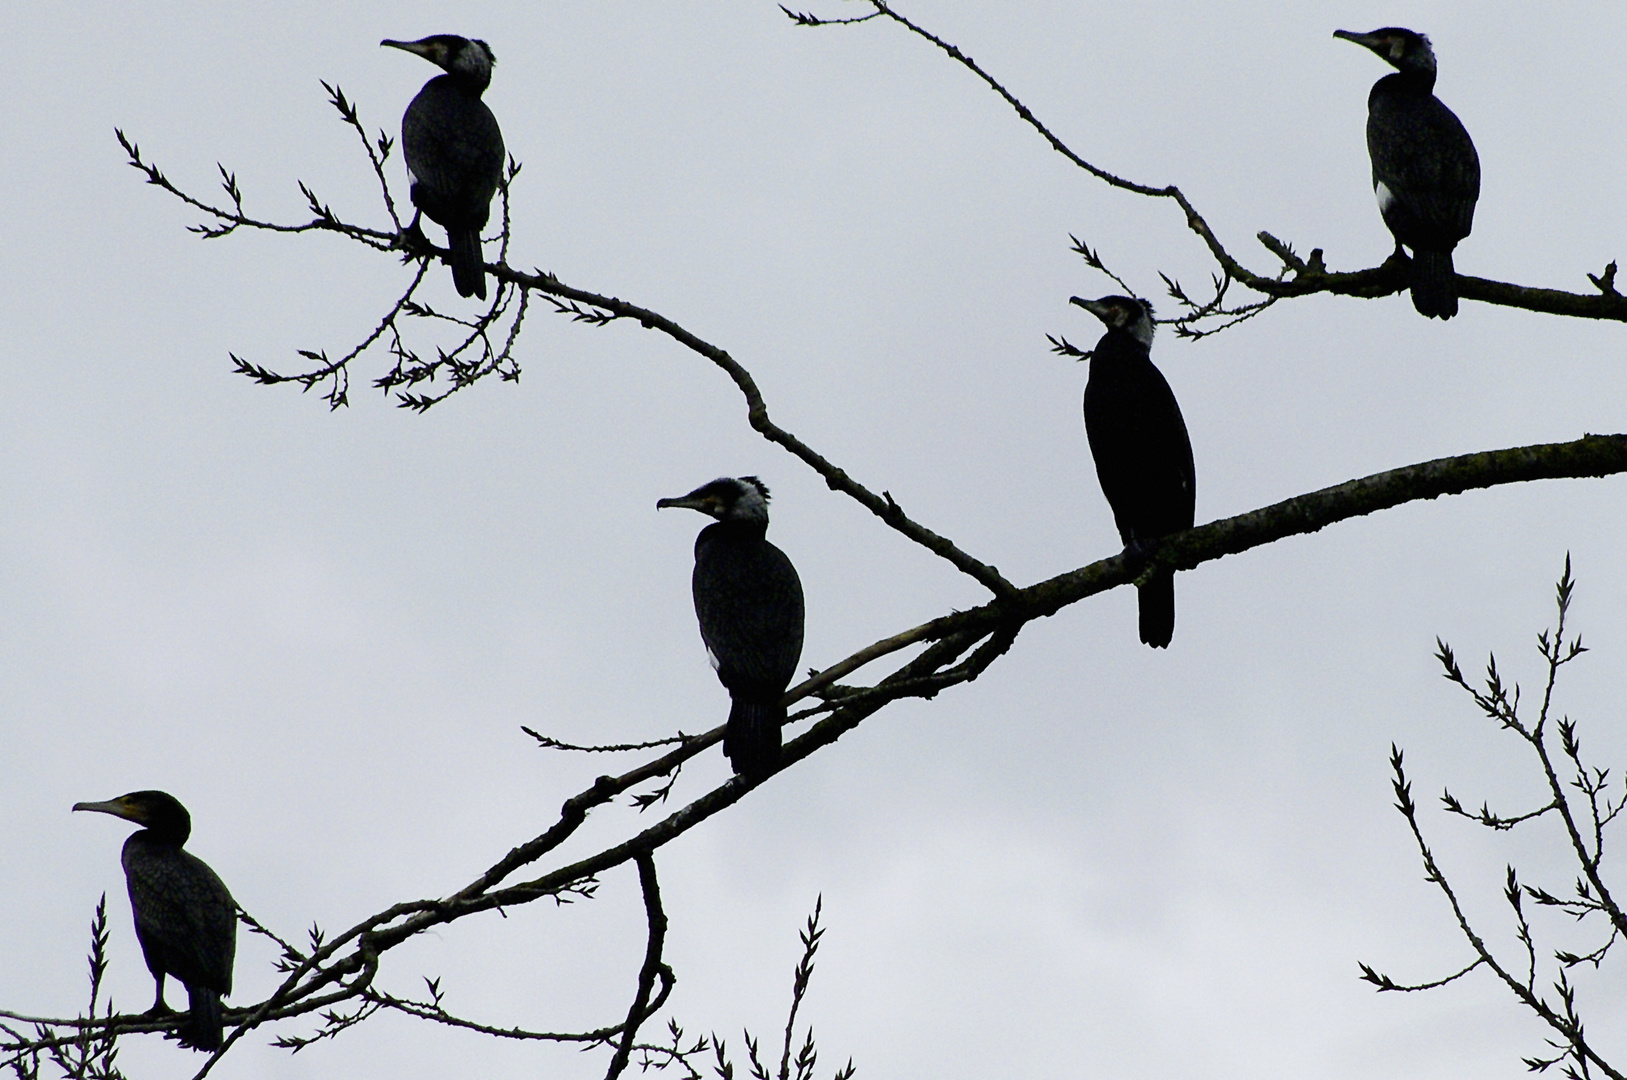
(454, 150)
(749, 602)
(1143, 454)
(186, 921)
(1426, 173)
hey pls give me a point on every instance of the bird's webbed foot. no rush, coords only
(159, 1008)
(412, 239)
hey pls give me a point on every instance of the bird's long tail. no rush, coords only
(1434, 284)
(1157, 602)
(202, 1030)
(752, 739)
(468, 268)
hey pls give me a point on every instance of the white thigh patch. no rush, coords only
(712, 658)
(1386, 198)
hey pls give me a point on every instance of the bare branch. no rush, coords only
(1500, 702)
(799, 985)
(652, 968)
(377, 152)
(550, 743)
(804, 19)
(232, 219)
(334, 978)
(1384, 982)
(342, 968)
(1383, 280)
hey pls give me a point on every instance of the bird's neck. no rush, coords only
(1415, 80)
(734, 530)
(465, 82)
(1122, 344)
(157, 838)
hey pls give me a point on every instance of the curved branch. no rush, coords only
(643, 1007)
(933, 670)
(410, 370)
(1563, 1020)
(1382, 280)
(952, 635)
(959, 646)
(422, 1011)
(883, 506)
(653, 967)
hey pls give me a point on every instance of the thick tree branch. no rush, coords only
(958, 647)
(354, 954)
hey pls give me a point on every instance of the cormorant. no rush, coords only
(749, 602)
(454, 150)
(1426, 173)
(1143, 454)
(186, 921)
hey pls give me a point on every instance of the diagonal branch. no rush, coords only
(580, 304)
(959, 646)
(883, 506)
(342, 968)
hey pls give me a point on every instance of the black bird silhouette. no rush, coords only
(454, 150)
(186, 921)
(1143, 454)
(1426, 173)
(749, 602)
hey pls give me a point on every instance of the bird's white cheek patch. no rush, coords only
(711, 658)
(1385, 197)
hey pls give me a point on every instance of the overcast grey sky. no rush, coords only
(322, 631)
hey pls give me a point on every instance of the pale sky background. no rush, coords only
(322, 631)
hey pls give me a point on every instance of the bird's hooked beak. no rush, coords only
(706, 504)
(1380, 45)
(119, 807)
(1107, 309)
(1095, 307)
(1127, 313)
(427, 49)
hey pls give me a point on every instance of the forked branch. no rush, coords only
(1584, 831)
